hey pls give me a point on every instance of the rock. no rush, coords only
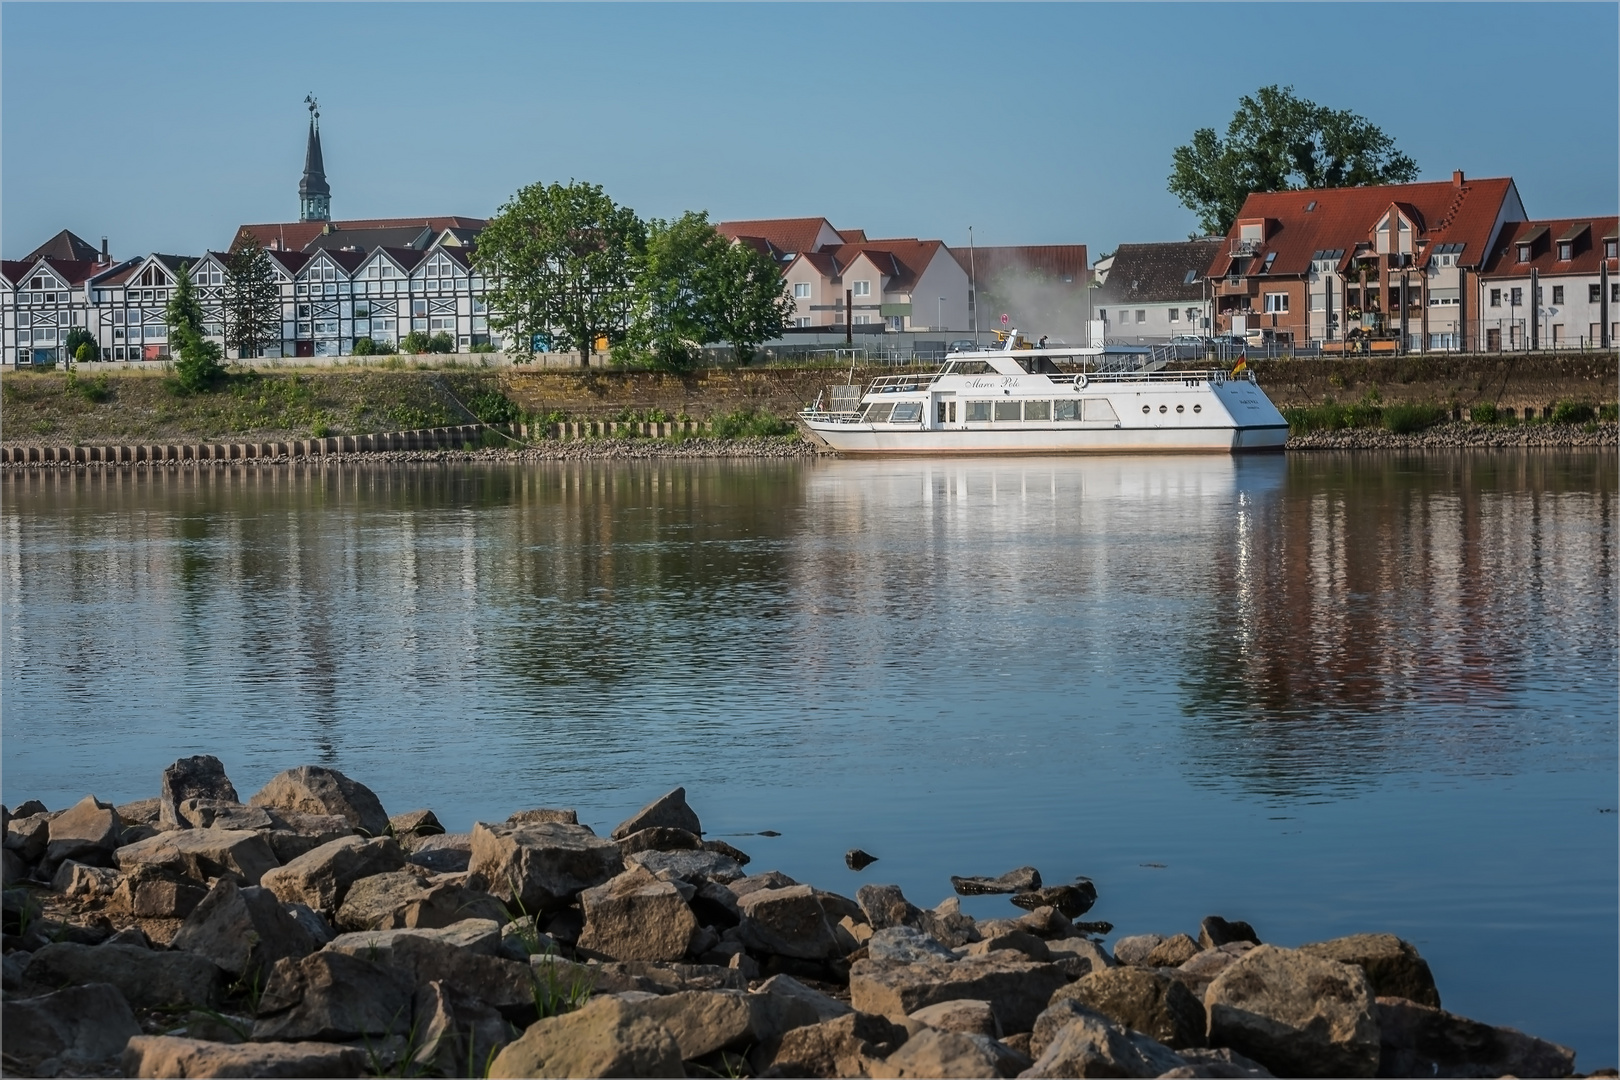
(769, 879)
(947, 925)
(400, 899)
(653, 977)
(1202, 969)
(695, 867)
(1222, 1062)
(156, 892)
(1023, 879)
(886, 906)
(1085, 1043)
(1172, 952)
(521, 939)
(332, 996)
(1215, 931)
(703, 1021)
(1018, 941)
(1016, 988)
(132, 935)
(479, 936)
(86, 832)
(636, 917)
(169, 1055)
(415, 823)
(312, 921)
(1392, 966)
(669, 811)
(607, 1037)
(81, 1026)
(1079, 956)
(542, 816)
(141, 812)
(720, 847)
(935, 1053)
(1072, 900)
(715, 905)
(78, 881)
(147, 979)
(200, 777)
(219, 814)
(28, 808)
(464, 958)
(322, 878)
(787, 922)
(1147, 1001)
(200, 854)
(1134, 950)
(1046, 923)
(311, 789)
(444, 853)
(905, 944)
(27, 837)
(1297, 1014)
(298, 834)
(841, 1046)
(243, 930)
(659, 838)
(1058, 1015)
(1418, 1040)
(858, 860)
(454, 1031)
(541, 867)
(965, 1015)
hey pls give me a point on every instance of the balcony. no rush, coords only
(1243, 249)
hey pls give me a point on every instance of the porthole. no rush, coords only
(1181, 408)
(1164, 408)
(1147, 408)
(1198, 408)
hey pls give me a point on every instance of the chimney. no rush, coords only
(1457, 179)
(105, 259)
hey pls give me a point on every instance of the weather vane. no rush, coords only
(314, 106)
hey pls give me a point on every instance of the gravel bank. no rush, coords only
(1461, 435)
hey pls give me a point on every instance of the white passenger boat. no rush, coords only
(1017, 400)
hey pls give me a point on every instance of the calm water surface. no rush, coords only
(1322, 693)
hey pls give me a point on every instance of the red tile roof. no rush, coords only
(903, 261)
(64, 245)
(787, 234)
(14, 269)
(71, 271)
(296, 235)
(1046, 260)
(1586, 233)
(1444, 212)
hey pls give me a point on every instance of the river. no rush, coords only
(1323, 693)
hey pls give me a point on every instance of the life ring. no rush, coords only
(1080, 381)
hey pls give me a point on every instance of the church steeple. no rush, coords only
(314, 194)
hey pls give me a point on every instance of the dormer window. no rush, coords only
(1524, 253)
(1611, 249)
(1565, 248)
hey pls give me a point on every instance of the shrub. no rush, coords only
(1573, 412)
(483, 347)
(1608, 413)
(414, 342)
(1330, 416)
(92, 390)
(493, 407)
(1403, 418)
(81, 345)
(1483, 413)
(441, 343)
(364, 346)
(86, 353)
(748, 423)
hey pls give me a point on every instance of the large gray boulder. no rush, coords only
(244, 930)
(1023, 879)
(86, 832)
(694, 867)
(322, 878)
(905, 944)
(964, 1015)
(26, 837)
(608, 1037)
(463, 957)
(934, 1053)
(1214, 931)
(1417, 1040)
(1147, 1001)
(445, 853)
(1203, 969)
(1072, 900)
(1088, 1044)
(148, 979)
(1172, 952)
(841, 1046)
(667, 811)
(200, 854)
(542, 867)
(169, 1055)
(401, 899)
(635, 916)
(332, 996)
(78, 881)
(292, 835)
(454, 1031)
(157, 892)
(884, 906)
(703, 1021)
(81, 1027)
(311, 789)
(1391, 965)
(200, 777)
(219, 814)
(1017, 989)
(1297, 1014)
(787, 922)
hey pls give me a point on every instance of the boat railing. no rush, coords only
(900, 384)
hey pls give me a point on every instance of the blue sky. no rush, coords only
(164, 126)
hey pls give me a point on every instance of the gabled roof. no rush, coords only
(825, 262)
(297, 235)
(64, 245)
(1158, 273)
(174, 262)
(1587, 258)
(461, 256)
(902, 261)
(1056, 261)
(789, 235)
(69, 271)
(290, 261)
(1455, 211)
(13, 270)
(419, 235)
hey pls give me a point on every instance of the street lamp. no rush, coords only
(942, 313)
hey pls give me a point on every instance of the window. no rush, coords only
(1008, 410)
(418, 307)
(802, 320)
(1516, 297)
(1564, 249)
(362, 311)
(1037, 410)
(1099, 409)
(1611, 249)
(1594, 294)
(1524, 253)
(1192, 314)
(1102, 314)
(801, 290)
(1276, 301)
(976, 410)
(1066, 410)
(1141, 316)
(1174, 314)
(1540, 294)
(861, 288)
(1614, 293)
(906, 412)
(1558, 294)
(878, 414)
(863, 320)
(443, 322)
(1496, 298)
(327, 328)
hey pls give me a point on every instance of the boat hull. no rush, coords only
(864, 439)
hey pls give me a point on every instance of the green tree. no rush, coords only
(81, 346)
(441, 343)
(673, 301)
(414, 342)
(559, 260)
(198, 364)
(750, 299)
(252, 301)
(1278, 141)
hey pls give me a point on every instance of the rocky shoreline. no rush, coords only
(305, 932)
(1460, 435)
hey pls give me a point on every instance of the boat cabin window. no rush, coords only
(878, 414)
(906, 412)
(1038, 365)
(1099, 409)
(975, 410)
(1066, 410)
(1037, 410)
(1008, 410)
(968, 367)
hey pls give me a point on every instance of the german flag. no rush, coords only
(1242, 366)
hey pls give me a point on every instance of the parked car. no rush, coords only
(964, 345)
